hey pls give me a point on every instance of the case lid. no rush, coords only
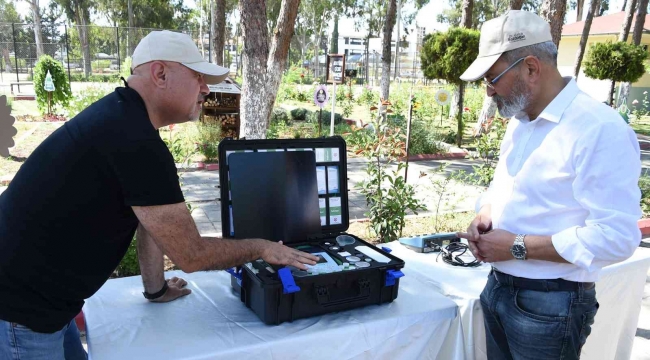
(331, 173)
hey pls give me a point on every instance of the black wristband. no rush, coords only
(158, 294)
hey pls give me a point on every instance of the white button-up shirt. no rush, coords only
(571, 174)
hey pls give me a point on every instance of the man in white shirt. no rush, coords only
(564, 201)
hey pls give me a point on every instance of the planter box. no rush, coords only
(644, 226)
(212, 167)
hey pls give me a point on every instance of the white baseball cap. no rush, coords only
(511, 31)
(177, 47)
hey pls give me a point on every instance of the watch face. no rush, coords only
(519, 252)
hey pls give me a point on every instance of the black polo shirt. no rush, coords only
(66, 219)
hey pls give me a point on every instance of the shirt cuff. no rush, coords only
(570, 248)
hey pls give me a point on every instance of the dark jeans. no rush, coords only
(530, 324)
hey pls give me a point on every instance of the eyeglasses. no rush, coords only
(491, 84)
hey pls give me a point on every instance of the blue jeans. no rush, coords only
(18, 342)
(530, 324)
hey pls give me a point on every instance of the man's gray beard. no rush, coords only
(509, 107)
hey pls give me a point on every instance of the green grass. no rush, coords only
(24, 107)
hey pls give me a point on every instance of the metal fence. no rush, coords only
(84, 51)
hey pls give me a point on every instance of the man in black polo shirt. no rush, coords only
(68, 217)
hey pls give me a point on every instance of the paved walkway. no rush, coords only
(201, 190)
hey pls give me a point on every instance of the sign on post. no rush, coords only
(49, 87)
(335, 75)
(335, 68)
(320, 96)
(49, 84)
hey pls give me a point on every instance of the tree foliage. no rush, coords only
(483, 11)
(446, 55)
(62, 94)
(616, 61)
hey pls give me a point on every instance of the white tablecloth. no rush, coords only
(619, 292)
(212, 323)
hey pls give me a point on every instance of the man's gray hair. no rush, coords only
(545, 52)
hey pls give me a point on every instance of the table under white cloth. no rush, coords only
(212, 323)
(619, 292)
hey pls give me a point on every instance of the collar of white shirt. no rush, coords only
(553, 111)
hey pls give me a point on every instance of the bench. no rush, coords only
(17, 84)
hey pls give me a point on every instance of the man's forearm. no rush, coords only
(220, 254)
(541, 248)
(152, 261)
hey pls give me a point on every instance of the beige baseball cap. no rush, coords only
(511, 31)
(177, 47)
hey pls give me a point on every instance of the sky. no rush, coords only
(426, 17)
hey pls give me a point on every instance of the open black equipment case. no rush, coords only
(351, 272)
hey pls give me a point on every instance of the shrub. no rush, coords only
(95, 78)
(129, 265)
(279, 115)
(617, 61)
(644, 186)
(86, 98)
(125, 68)
(387, 194)
(326, 119)
(207, 141)
(62, 94)
(299, 114)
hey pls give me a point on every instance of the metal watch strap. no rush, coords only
(519, 241)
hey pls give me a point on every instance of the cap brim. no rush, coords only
(479, 67)
(212, 73)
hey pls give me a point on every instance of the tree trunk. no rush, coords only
(625, 28)
(488, 111)
(579, 9)
(453, 105)
(130, 32)
(391, 11)
(5, 54)
(81, 20)
(397, 41)
(517, 4)
(641, 12)
(219, 30)
(466, 19)
(610, 95)
(38, 34)
(263, 64)
(583, 39)
(459, 133)
(553, 11)
(597, 13)
(636, 39)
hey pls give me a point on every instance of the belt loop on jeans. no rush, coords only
(581, 291)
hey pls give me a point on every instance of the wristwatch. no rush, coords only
(518, 248)
(160, 293)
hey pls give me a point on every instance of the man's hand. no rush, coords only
(480, 225)
(175, 290)
(276, 253)
(492, 246)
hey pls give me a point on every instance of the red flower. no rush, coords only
(466, 109)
